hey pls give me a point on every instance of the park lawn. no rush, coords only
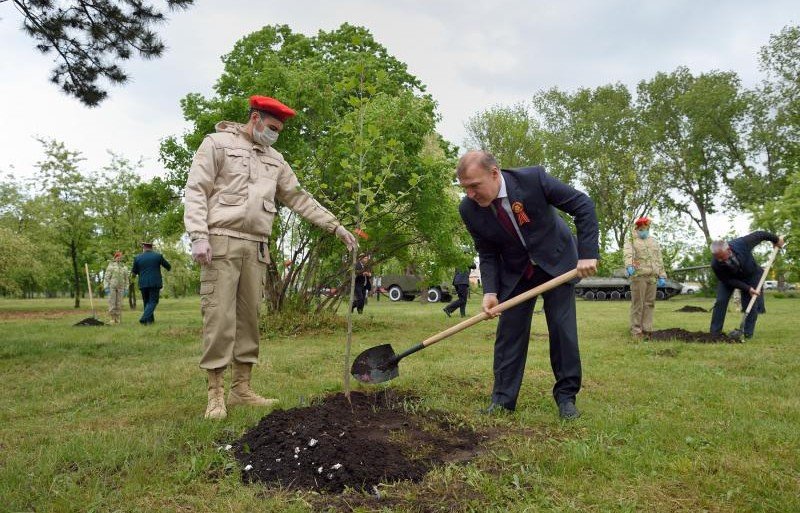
(110, 418)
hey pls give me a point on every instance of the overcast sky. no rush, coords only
(471, 55)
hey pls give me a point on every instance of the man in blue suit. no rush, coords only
(147, 265)
(522, 242)
(735, 267)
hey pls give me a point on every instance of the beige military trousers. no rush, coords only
(643, 301)
(231, 292)
(115, 303)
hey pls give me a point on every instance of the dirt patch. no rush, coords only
(381, 438)
(10, 315)
(689, 308)
(692, 336)
(90, 321)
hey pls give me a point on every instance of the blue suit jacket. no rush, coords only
(749, 272)
(549, 241)
(148, 266)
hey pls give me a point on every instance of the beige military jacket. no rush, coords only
(116, 275)
(233, 184)
(645, 256)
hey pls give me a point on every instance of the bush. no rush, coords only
(295, 322)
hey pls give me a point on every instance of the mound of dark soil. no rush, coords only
(90, 321)
(689, 308)
(692, 336)
(380, 438)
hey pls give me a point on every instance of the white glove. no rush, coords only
(345, 236)
(201, 251)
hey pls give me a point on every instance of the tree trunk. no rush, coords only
(73, 253)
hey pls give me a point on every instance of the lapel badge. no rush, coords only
(519, 212)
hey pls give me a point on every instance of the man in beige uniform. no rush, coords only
(235, 179)
(115, 280)
(645, 267)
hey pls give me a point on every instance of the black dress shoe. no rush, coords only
(568, 411)
(496, 409)
(446, 311)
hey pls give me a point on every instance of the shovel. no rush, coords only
(379, 363)
(93, 320)
(739, 333)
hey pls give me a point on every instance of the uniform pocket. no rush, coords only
(237, 160)
(270, 167)
(219, 248)
(270, 207)
(232, 199)
(208, 275)
(208, 279)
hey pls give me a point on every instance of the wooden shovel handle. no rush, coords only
(771, 260)
(505, 305)
(89, 286)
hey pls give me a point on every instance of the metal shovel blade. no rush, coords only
(737, 334)
(375, 365)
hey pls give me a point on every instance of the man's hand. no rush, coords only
(489, 302)
(345, 236)
(587, 267)
(201, 251)
(754, 292)
(781, 242)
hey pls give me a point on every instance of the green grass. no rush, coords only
(110, 418)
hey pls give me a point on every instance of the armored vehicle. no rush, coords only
(618, 286)
(407, 286)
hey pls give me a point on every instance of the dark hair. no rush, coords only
(262, 114)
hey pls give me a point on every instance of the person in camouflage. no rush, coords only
(115, 280)
(645, 267)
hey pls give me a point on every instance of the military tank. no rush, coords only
(618, 286)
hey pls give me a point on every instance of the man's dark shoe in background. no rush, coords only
(568, 411)
(496, 409)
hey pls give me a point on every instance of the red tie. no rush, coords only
(505, 220)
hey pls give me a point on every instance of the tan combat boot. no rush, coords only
(240, 392)
(216, 395)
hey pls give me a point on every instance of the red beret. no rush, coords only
(642, 221)
(271, 106)
(117, 253)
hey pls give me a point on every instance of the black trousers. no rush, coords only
(150, 296)
(724, 294)
(359, 299)
(513, 336)
(461, 302)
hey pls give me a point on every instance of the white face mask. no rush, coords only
(267, 137)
